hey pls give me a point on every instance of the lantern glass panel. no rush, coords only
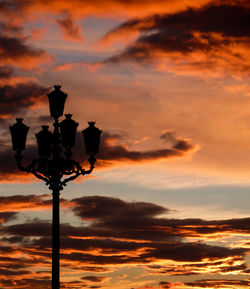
(68, 129)
(57, 100)
(19, 133)
(92, 139)
(44, 141)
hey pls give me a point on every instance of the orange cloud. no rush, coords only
(88, 67)
(119, 234)
(70, 30)
(188, 42)
(81, 8)
(14, 51)
(112, 151)
(30, 202)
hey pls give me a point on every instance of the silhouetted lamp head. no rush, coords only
(68, 129)
(92, 137)
(57, 100)
(44, 141)
(19, 133)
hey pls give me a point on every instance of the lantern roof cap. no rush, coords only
(57, 90)
(57, 87)
(19, 124)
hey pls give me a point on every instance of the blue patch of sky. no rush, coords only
(93, 29)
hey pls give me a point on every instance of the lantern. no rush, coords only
(92, 137)
(57, 100)
(19, 133)
(68, 131)
(44, 141)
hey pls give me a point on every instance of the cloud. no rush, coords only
(20, 203)
(6, 72)
(70, 30)
(16, 98)
(177, 142)
(14, 51)
(170, 285)
(84, 8)
(94, 278)
(18, 93)
(10, 205)
(100, 207)
(218, 283)
(190, 41)
(117, 232)
(111, 151)
(7, 216)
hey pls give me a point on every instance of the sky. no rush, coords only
(167, 82)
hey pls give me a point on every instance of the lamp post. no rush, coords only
(55, 165)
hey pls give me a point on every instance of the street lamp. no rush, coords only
(54, 164)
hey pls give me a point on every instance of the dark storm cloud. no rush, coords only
(13, 273)
(38, 229)
(14, 99)
(100, 207)
(229, 20)
(120, 152)
(192, 252)
(7, 216)
(171, 253)
(14, 239)
(111, 217)
(16, 93)
(15, 49)
(199, 227)
(119, 232)
(6, 72)
(31, 94)
(9, 5)
(210, 30)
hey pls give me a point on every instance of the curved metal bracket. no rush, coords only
(30, 168)
(80, 171)
(72, 168)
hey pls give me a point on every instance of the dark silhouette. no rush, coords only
(55, 165)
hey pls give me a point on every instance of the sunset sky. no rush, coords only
(168, 84)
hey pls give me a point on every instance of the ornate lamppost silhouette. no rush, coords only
(55, 165)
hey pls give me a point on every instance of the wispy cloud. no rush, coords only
(70, 29)
(121, 233)
(189, 41)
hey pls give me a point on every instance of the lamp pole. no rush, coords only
(55, 165)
